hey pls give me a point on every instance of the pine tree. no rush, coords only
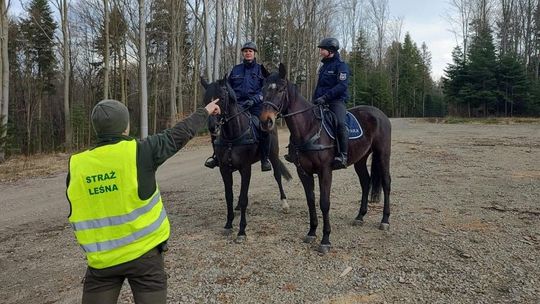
(513, 84)
(454, 80)
(361, 66)
(482, 68)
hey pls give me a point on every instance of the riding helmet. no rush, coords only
(249, 45)
(330, 44)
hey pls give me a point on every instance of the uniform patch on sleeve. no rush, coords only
(342, 76)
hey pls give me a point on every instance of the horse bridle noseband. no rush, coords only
(279, 109)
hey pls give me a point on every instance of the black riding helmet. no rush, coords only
(249, 45)
(330, 44)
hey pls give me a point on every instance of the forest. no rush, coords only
(58, 58)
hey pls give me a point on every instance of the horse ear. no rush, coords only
(225, 76)
(264, 71)
(282, 71)
(204, 83)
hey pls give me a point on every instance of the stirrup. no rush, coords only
(339, 162)
(211, 162)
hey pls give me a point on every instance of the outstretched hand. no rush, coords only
(212, 108)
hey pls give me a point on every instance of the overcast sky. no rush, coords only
(426, 22)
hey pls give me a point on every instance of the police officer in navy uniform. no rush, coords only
(332, 89)
(247, 79)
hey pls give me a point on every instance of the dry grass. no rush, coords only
(483, 120)
(22, 167)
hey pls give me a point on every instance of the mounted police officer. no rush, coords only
(332, 90)
(117, 212)
(247, 79)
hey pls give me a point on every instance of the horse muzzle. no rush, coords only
(268, 120)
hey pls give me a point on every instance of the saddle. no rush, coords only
(330, 124)
(250, 136)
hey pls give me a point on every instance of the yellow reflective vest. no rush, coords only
(111, 223)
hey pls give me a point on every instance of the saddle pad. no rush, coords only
(355, 130)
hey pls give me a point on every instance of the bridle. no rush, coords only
(224, 118)
(279, 109)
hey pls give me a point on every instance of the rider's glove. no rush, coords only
(319, 101)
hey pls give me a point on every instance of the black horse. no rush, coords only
(314, 150)
(237, 148)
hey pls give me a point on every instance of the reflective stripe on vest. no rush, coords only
(112, 244)
(116, 220)
(111, 223)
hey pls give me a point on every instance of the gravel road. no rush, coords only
(465, 228)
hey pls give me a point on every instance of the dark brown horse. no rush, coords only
(314, 150)
(237, 148)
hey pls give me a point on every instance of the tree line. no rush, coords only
(60, 57)
(495, 69)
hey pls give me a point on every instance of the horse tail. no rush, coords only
(283, 169)
(376, 177)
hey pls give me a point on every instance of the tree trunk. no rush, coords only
(107, 52)
(239, 22)
(67, 73)
(142, 70)
(174, 62)
(218, 40)
(4, 85)
(207, 41)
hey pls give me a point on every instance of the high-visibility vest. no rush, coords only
(111, 223)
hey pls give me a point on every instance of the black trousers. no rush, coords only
(146, 276)
(342, 133)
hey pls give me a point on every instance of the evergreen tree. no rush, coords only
(454, 80)
(361, 66)
(38, 32)
(482, 69)
(513, 85)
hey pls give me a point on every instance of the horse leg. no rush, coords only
(227, 177)
(363, 175)
(308, 183)
(325, 184)
(386, 180)
(245, 173)
(274, 159)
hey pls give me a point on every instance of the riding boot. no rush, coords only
(264, 146)
(290, 152)
(340, 161)
(212, 161)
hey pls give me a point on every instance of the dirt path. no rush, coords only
(465, 228)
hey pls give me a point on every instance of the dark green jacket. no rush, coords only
(156, 149)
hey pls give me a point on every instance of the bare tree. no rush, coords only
(217, 37)
(67, 75)
(461, 18)
(106, 54)
(239, 22)
(207, 46)
(142, 70)
(4, 70)
(379, 16)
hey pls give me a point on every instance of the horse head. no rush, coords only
(219, 89)
(275, 97)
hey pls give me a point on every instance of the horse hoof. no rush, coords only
(384, 226)
(284, 206)
(308, 239)
(324, 248)
(240, 239)
(358, 222)
(227, 231)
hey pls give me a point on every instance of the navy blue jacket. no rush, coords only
(333, 80)
(247, 81)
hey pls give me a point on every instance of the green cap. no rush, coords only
(110, 117)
